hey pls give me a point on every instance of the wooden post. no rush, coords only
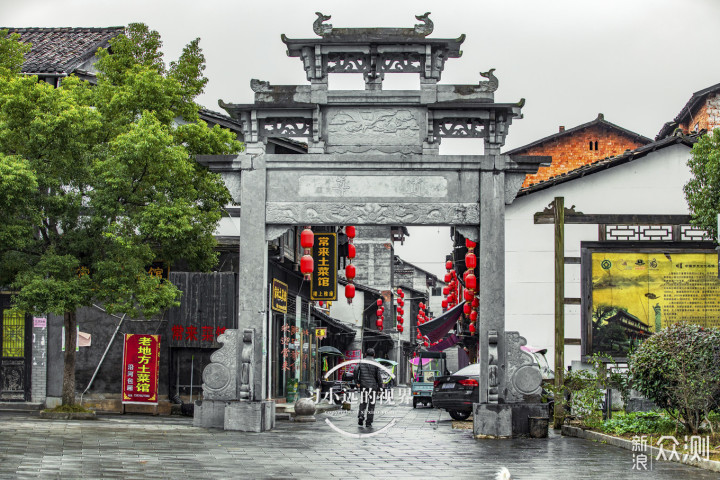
(559, 212)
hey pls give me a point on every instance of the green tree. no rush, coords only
(702, 192)
(678, 368)
(100, 182)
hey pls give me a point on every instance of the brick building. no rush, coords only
(579, 146)
(701, 112)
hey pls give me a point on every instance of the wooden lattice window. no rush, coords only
(13, 333)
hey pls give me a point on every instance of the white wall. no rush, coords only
(649, 185)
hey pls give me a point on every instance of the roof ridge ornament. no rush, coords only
(318, 27)
(259, 85)
(425, 28)
(492, 84)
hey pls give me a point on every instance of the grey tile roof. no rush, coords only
(609, 162)
(687, 111)
(61, 50)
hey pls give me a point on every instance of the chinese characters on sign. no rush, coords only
(287, 339)
(141, 357)
(323, 285)
(191, 333)
(279, 296)
(695, 448)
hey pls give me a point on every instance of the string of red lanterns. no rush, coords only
(307, 239)
(470, 293)
(380, 316)
(350, 268)
(400, 310)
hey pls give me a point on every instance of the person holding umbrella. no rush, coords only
(367, 377)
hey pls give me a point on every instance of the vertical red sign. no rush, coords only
(141, 359)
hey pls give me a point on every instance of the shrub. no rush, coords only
(640, 423)
(678, 368)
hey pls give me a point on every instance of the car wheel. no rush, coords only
(457, 415)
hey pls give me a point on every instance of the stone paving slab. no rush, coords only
(150, 447)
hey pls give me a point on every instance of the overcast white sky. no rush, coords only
(636, 61)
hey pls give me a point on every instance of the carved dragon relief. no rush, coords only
(291, 213)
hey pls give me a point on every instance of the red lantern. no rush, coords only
(470, 244)
(444, 303)
(449, 265)
(400, 328)
(470, 260)
(381, 328)
(400, 311)
(379, 313)
(446, 290)
(350, 271)
(349, 292)
(473, 315)
(321, 304)
(379, 302)
(401, 294)
(466, 308)
(425, 344)
(306, 266)
(307, 238)
(350, 231)
(468, 295)
(472, 329)
(475, 302)
(448, 277)
(419, 336)
(471, 282)
(351, 251)
(401, 302)
(378, 322)
(422, 306)
(400, 320)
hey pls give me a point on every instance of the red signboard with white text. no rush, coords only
(141, 359)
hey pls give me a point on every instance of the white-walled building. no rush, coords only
(645, 184)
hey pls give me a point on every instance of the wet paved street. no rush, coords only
(420, 444)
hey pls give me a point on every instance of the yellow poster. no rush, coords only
(635, 294)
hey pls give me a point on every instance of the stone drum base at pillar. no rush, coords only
(210, 413)
(505, 420)
(250, 416)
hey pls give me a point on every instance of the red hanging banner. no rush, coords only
(141, 359)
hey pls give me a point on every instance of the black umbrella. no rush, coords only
(330, 351)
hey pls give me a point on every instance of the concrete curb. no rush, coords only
(569, 431)
(68, 415)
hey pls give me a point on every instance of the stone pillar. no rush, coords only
(252, 278)
(492, 285)
(38, 388)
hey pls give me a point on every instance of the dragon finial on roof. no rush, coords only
(426, 27)
(318, 26)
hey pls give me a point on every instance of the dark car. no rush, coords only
(456, 393)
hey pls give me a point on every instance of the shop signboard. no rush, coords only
(635, 294)
(279, 296)
(141, 359)
(323, 285)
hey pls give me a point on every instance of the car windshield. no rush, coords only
(469, 371)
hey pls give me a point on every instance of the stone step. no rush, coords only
(21, 406)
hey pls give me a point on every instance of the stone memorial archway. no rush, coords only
(373, 159)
